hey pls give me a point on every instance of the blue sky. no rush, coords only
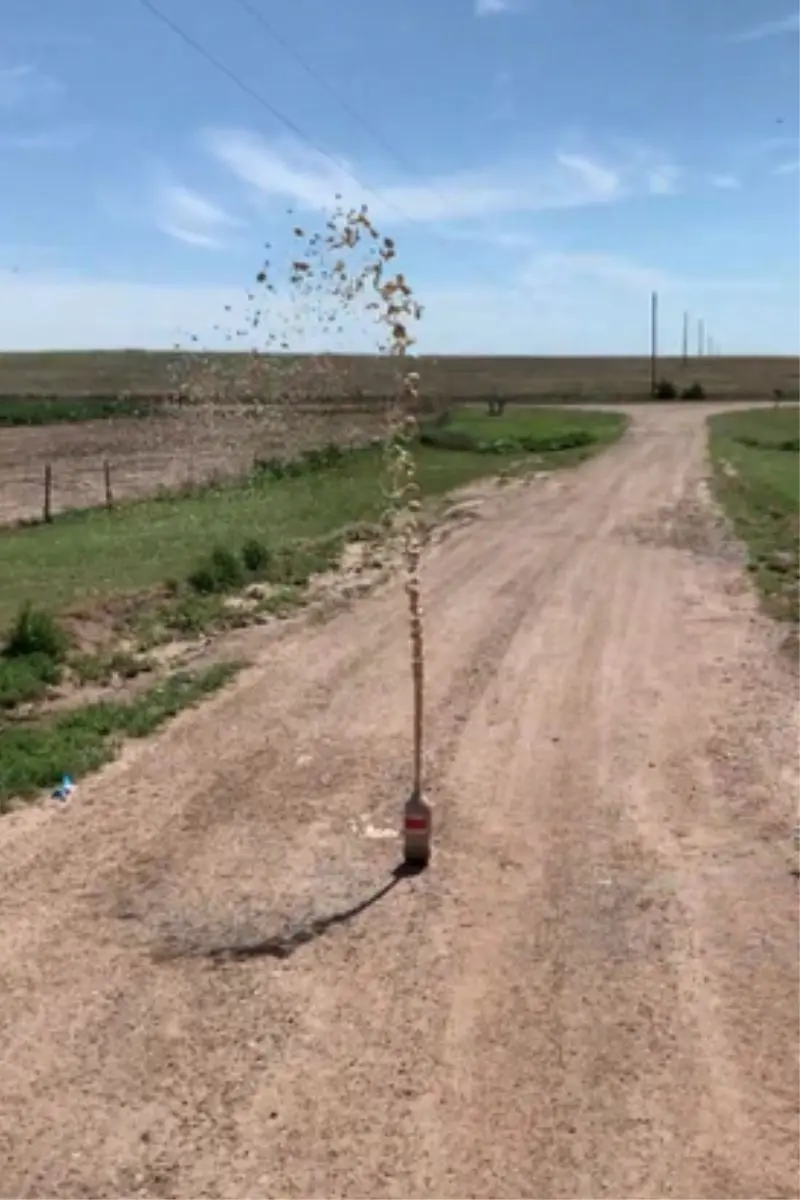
(541, 164)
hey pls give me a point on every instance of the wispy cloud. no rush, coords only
(289, 171)
(654, 171)
(664, 180)
(599, 180)
(787, 168)
(552, 271)
(725, 182)
(188, 217)
(24, 86)
(780, 25)
(496, 8)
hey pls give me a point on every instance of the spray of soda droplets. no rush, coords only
(345, 271)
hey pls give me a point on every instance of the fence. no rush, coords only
(37, 492)
(53, 487)
(47, 503)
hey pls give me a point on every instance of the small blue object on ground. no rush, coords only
(65, 790)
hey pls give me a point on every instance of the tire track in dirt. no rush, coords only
(563, 1006)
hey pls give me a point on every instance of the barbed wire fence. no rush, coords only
(165, 459)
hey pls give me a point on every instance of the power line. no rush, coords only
(259, 99)
(311, 71)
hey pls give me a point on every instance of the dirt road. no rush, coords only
(593, 990)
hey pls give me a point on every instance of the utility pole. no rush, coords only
(685, 349)
(653, 343)
(701, 338)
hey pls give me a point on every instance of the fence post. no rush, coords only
(107, 480)
(48, 493)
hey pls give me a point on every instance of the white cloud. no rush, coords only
(664, 180)
(725, 182)
(781, 25)
(787, 168)
(599, 180)
(554, 272)
(653, 171)
(557, 303)
(495, 8)
(23, 86)
(191, 218)
(291, 173)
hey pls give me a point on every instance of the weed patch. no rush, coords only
(547, 433)
(31, 658)
(102, 668)
(26, 680)
(756, 469)
(36, 633)
(35, 755)
(222, 571)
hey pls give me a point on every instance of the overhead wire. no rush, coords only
(261, 100)
(324, 83)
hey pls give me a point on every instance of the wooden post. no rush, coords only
(653, 343)
(685, 347)
(48, 493)
(107, 481)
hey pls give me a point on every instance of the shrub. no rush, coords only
(559, 441)
(322, 458)
(36, 633)
(23, 680)
(221, 572)
(203, 580)
(695, 391)
(255, 556)
(665, 390)
(792, 445)
(445, 438)
(227, 568)
(269, 466)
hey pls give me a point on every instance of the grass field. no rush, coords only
(147, 373)
(541, 423)
(757, 479)
(85, 555)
